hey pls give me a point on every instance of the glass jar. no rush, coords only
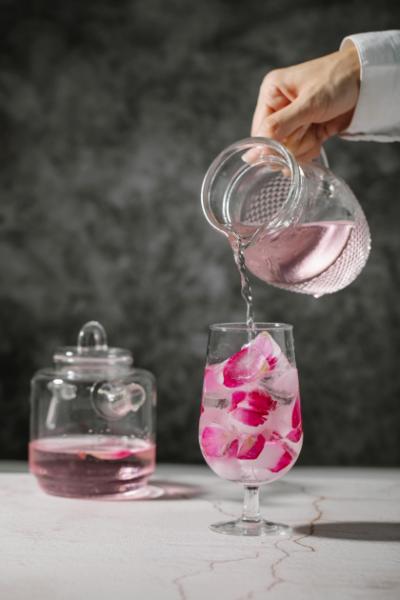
(92, 421)
(299, 227)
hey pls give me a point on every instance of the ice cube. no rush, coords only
(252, 408)
(215, 440)
(215, 402)
(226, 468)
(280, 420)
(213, 385)
(275, 456)
(252, 362)
(283, 386)
(251, 447)
(248, 417)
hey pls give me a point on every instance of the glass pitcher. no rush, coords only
(300, 227)
(92, 421)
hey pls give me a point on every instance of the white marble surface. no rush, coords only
(346, 541)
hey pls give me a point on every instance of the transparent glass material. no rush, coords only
(250, 424)
(92, 421)
(300, 225)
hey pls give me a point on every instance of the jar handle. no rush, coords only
(113, 401)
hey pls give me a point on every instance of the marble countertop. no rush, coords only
(345, 542)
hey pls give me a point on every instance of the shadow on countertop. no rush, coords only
(171, 490)
(372, 531)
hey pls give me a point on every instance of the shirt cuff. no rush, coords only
(377, 114)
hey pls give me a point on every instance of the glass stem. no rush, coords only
(251, 504)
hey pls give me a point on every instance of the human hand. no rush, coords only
(304, 105)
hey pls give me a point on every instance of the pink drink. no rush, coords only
(91, 465)
(250, 423)
(299, 257)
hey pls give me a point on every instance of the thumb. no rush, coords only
(284, 122)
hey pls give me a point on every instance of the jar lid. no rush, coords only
(92, 350)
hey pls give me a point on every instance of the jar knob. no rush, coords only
(92, 336)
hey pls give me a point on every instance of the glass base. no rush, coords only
(109, 490)
(251, 528)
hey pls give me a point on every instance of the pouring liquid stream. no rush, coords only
(246, 291)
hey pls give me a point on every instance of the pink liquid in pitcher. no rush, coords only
(84, 466)
(250, 423)
(302, 253)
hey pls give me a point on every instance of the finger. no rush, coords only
(254, 155)
(284, 122)
(302, 145)
(310, 155)
(295, 139)
(269, 101)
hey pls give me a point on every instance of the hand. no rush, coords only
(304, 105)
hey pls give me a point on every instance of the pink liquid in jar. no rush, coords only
(83, 466)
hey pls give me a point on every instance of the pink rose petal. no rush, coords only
(122, 454)
(233, 449)
(248, 416)
(110, 454)
(261, 401)
(272, 362)
(296, 414)
(252, 408)
(251, 447)
(284, 460)
(295, 434)
(242, 368)
(215, 440)
(250, 363)
(237, 397)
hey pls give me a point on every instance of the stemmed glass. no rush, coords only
(250, 423)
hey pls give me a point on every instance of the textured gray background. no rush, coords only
(110, 113)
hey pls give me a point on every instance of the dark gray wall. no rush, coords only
(110, 112)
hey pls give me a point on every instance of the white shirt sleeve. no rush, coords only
(377, 114)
